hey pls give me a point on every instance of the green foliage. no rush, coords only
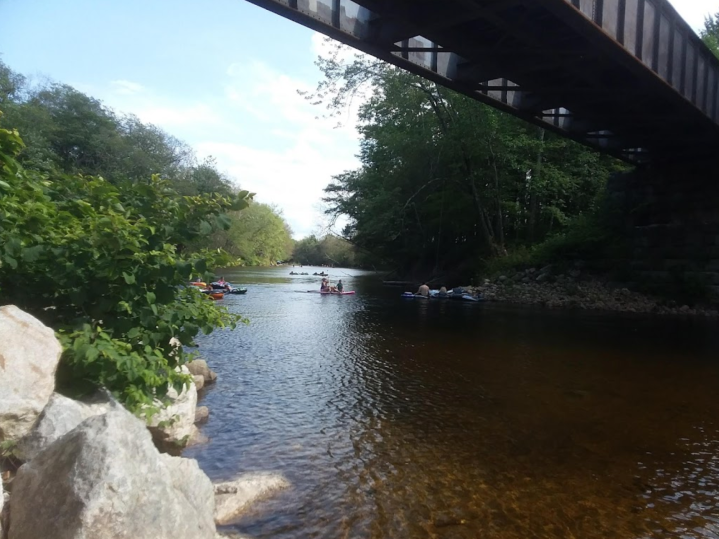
(103, 265)
(445, 179)
(710, 33)
(258, 236)
(586, 238)
(69, 131)
(330, 250)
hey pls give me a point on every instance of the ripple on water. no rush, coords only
(402, 419)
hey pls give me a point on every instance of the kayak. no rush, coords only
(348, 293)
(214, 294)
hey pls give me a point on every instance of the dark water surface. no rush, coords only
(409, 418)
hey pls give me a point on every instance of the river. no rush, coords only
(397, 418)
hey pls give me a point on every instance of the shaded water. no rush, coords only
(413, 418)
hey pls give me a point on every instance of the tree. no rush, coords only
(68, 131)
(258, 236)
(710, 33)
(102, 265)
(330, 250)
(446, 180)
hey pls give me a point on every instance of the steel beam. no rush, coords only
(631, 68)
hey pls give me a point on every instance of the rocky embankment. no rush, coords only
(92, 469)
(577, 290)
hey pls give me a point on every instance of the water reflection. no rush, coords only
(396, 418)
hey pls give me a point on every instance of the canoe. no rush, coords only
(347, 293)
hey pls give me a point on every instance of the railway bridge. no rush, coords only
(627, 77)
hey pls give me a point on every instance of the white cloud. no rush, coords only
(262, 132)
(126, 87)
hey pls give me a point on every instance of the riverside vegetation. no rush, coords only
(452, 189)
(102, 221)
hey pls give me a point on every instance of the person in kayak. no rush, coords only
(423, 290)
(340, 286)
(443, 291)
(325, 287)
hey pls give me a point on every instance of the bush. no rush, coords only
(104, 266)
(587, 238)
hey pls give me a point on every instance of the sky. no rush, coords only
(222, 76)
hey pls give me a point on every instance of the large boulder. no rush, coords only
(106, 480)
(174, 424)
(29, 354)
(59, 417)
(233, 497)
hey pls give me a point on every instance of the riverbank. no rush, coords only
(112, 464)
(575, 290)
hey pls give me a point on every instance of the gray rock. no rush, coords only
(174, 424)
(197, 438)
(59, 417)
(233, 497)
(105, 480)
(199, 367)
(502, 278)
(546, 269)
(202, 414)
(29, 354)
(199, 381)
(542, 277)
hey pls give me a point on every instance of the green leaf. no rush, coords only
(201, 265)
(129, 278)
(31, 254)
(205, 228)
(150, 298)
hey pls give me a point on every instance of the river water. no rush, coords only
(414, 418)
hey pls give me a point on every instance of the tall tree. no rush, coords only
(710, 33)
(445, 179)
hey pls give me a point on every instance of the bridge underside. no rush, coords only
(627, 77)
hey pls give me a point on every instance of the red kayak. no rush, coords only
(348, 293)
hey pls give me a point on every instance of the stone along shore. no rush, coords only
(576, 290)
(91, 469)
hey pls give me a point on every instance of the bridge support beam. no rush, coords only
(671, 220)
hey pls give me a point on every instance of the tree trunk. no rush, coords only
(533, 198)
(499, 226)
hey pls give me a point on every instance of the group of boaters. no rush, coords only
(325, 286)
